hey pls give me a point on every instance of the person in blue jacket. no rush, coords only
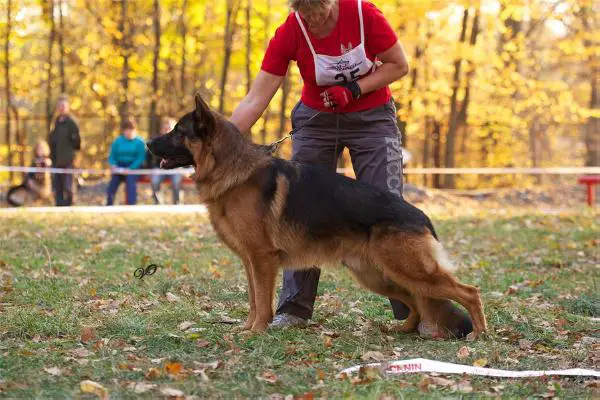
(128, 151)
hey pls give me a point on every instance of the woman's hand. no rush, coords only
(250, 109)
(337, 97)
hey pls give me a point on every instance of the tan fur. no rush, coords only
(409, 267)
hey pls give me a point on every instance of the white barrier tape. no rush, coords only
(415, 171)
(418, 365)
(91, 171)
(166, 209)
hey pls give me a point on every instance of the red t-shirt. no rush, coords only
(290, 44)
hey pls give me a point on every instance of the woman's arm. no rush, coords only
(394, 67)
(256, 101)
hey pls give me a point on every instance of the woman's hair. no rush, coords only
(128, 123)
(42, 147)
(308, 4)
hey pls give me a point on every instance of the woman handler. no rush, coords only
(347, 55)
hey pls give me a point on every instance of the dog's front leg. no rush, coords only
(251, 291)
(264, 273)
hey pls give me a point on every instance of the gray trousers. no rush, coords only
(373, 139)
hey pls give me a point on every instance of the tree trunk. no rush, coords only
(154, 123)
(183, 84)
(426, 145)
(233, 7)
(61, 26)
(51, 38)
(123, 28)
(437, 151)
(7, 82)
(452, 124)
(592, 136)
(414, 74)
(248, 47)
(463, 113)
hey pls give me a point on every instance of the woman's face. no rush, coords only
(317, 15)
(129, 133)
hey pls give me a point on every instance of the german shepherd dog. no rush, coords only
(273, 213)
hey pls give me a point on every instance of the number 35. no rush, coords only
(342, 77)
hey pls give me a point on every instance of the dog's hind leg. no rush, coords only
(374, 280)
(418, 262)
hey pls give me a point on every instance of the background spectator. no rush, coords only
(128, 151)
(64, 141)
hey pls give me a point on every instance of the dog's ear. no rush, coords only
(203, 116)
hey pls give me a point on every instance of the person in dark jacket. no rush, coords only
(128, 152)
(64, 141)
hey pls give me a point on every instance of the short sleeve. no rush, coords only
(379, 35)
(281, 49)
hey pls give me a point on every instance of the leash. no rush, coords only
(273, 147)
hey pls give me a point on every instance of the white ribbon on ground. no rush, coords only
(417, 365)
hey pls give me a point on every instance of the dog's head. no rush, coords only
(191, 133)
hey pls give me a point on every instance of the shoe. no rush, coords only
(285, 320)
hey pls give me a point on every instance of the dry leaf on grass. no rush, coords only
(481, 362)
(373, 355)
(185, 325)
(172, 393)
(53, 371)
(267, 376)
(173, 298)
(174, 368)
(153, 373)
(463, 353)
(141, 387)
(87, 334)
(95, 388)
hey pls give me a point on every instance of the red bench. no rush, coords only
(590, 181)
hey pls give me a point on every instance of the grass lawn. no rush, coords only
(71, 310)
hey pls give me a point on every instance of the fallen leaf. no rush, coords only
(438, 381)
(424, 384)
(141, 387)
(373, 355)
(172, 297)
(327, 342)
(524, 344)
(463, 353)
(593, 384)
(202, 343)
(173, 368)
(87, 334)
(95, 388)
(81, 352)
(152, 373)
(464, 386)
(228, 320)
(53, 371)
(172, 393)
(481, 362)
(267, 376)
(185, 325)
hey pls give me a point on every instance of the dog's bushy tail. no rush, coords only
(439, 254)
